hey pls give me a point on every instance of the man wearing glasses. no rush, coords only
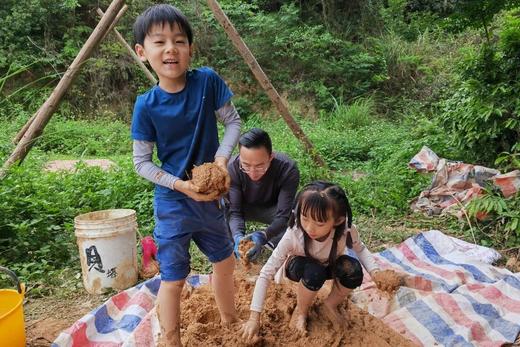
(263, 186)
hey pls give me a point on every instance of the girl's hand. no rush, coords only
(192, 191)
(388, 280)
(251, 328)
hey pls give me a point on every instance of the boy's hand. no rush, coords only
(251, 328)
(192, 191)
(222, 163)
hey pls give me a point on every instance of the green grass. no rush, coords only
(368, 158)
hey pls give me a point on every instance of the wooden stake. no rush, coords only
(264, 81)
(47, 109)
(130, 50)
(26, 126)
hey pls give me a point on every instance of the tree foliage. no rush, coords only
(463, 13)
(483, 112)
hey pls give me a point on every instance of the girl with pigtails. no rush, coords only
(313, 250)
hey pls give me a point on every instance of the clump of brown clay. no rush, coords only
(243, 247)
(149, 271)
(209, 178)
(387, 280)
(200, 321)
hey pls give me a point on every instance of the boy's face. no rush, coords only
(169, 53)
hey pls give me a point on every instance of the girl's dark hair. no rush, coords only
(160, 14)
(316, 200)
(256, 138)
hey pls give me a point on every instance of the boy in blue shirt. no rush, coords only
(178, 116)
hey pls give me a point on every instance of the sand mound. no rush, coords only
(209, 177)
(200, 318)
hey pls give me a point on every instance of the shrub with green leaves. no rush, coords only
(501, 224)
(482, 114)
(37, 209)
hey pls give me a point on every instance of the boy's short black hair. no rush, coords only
(160, 14)
(256, 138)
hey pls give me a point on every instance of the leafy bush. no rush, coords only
(502, 222)
(294, 53)
(483, 112)
(22, 24)
(37, 209)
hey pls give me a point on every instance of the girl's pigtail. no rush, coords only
(349, 223)
(343, 208)
(294, 220)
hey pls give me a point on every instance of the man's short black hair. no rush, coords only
(160, 14)
(256, 138)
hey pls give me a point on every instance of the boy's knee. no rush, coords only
(172, 286)
(349, 272)
(224, 266)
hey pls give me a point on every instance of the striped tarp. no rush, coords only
(452, 297)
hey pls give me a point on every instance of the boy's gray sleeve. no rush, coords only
(145, 167)
(228, 116)
(236, 215)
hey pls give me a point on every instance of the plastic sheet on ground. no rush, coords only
(453, 297)
(455, 183)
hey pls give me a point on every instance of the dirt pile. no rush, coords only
(200, 318)
(209, 178)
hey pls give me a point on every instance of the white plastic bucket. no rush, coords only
(107, 249)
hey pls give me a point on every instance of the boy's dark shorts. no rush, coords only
(179, 221)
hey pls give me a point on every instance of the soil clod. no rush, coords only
(243, 248)
(209, 178)
(388, 280)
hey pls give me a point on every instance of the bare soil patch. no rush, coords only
(70, 165)
(200, 321)
(46, 318)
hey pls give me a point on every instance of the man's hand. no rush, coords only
(237, 239)
(251, 327)
(260, 239)
(192, 191)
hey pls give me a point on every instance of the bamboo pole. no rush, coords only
(114, 23)
(47, 109)
(264, 81)
(22, 131)
(130, 50)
